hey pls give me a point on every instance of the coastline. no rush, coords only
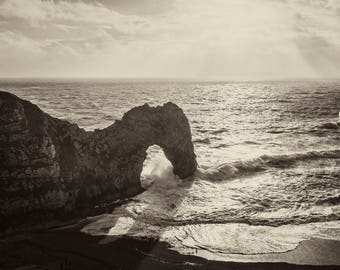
(67, 248)
(57, 245)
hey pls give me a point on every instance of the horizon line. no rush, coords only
(188, 79)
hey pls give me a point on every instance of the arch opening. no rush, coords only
(157, 169)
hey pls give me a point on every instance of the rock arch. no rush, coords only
(51, 167)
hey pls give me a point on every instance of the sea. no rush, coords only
(268, 155)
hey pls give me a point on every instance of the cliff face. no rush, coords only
(50, 167)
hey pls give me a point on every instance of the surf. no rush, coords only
(234, 169)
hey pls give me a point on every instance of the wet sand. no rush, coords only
(69, 249)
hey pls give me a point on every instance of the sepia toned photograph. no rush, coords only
(169, 134)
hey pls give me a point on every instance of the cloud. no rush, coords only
(322, 55)
(317, 35)
(18, 53)
(234, 39)
(38, 12)
(135, 7)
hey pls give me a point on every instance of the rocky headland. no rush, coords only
(50, 168)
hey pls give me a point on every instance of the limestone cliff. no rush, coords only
(50, 167)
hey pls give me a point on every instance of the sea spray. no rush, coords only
(157, 170)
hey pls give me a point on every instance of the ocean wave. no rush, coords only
(276, 131)
(212, 131)
(237, 168)
(330, 201)
(330, 125)
(222, 145)
(251, 142)
(202, 141)
(219, 131)
(220, 239)
(284, 101)
(279, 208)
(32, 88)
(260, 221)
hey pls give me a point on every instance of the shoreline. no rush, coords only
(67, 248)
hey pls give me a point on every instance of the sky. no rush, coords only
(199, 39)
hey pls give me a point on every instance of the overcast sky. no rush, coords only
(204, 39)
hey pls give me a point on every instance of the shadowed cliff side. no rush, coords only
(50, 168)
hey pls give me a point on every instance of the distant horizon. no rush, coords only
(160, 79)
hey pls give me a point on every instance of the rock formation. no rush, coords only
(50, 167)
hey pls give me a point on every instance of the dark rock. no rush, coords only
(50, 167)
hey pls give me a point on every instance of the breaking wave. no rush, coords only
(270, 213)
(281, 194)
(237, 168)
(330, 125)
